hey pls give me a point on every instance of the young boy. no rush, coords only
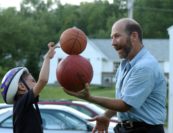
(20, 88)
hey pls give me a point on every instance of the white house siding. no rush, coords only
(91, 53)
(53, 65)
(97, 69)
(107, 66)
(170, 107)
(166, 67)
(95, 57)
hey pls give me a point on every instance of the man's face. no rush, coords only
(121, 41)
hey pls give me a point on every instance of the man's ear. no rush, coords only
(134, 36)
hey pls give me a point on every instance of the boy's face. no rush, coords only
(30, 81)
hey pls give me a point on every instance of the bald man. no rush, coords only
(140, 85)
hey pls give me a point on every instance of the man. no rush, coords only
(140, 85)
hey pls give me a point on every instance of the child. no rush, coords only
(20, 88)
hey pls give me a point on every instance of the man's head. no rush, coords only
(126, 37)
(12, 83)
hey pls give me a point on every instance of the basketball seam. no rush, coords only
(81, 37)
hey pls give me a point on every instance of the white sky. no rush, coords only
(16, 3)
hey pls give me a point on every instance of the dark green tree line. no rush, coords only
(155, 16)
(24, 34)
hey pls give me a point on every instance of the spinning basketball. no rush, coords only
(73, 72)
(73, 41)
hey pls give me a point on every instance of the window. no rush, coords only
(83, 110)
(7, 123)
(60, 120)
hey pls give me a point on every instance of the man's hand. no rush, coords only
(83, 94)
(102, 124)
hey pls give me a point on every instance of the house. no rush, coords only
(105, 60)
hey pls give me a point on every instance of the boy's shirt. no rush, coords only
(26, 118)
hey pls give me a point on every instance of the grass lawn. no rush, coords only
(57, 93)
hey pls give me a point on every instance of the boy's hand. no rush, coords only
(51, 52)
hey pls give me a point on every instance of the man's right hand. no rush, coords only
(83, 94)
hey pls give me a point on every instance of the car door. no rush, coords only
(55, 121)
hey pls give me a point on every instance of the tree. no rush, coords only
(24, 34)
(155, 17)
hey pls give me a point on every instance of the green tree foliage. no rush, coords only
(155, 17)
(24, 34)
(11, 38)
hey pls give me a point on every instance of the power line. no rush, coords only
(155, 9)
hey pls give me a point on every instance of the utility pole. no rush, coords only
(130, 4)
(170, 95)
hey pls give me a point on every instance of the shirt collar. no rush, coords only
(134, 60)
(138, 56)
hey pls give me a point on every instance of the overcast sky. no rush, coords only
(16, 3)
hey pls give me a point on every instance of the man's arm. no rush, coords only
(112, 104)
(109, 113)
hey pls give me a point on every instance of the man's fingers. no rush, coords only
(87, 85)
(94, 130)
(81, 78)
(69, 92)
(92, 119)
(104, 131)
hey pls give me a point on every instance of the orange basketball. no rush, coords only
(73, 72)
(73, 41)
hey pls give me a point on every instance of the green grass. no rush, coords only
(57, 93)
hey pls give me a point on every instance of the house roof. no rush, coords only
(105, 46)
(158, 47)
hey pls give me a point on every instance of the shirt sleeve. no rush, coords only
(138, 86)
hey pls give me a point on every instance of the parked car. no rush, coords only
(56, 119)
(82, 106)
(4, 105)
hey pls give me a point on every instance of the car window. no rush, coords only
(61, 120)
(51, 122)
(7, 123)
(83, 110)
